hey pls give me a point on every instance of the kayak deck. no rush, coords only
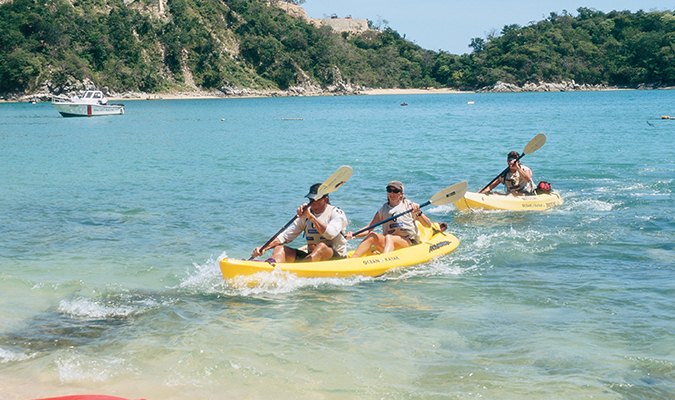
(492, 201)
(434, 243)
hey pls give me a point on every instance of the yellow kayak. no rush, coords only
(434, 243)
(493, 201)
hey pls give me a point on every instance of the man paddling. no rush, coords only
(323, 225)
(518, 179)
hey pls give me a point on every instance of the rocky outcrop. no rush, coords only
(307, 87)
(50, 89)
(564, 86)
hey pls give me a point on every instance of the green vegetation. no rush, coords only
(211, 43)
(246, 43)
(617, 48)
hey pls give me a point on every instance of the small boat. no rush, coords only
(434, 242)
(92, 103)
(496, 201)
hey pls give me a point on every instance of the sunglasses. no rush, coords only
(392, 190)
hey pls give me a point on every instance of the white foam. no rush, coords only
(445, 209)
(7, 356)
(279, 282)
(590, 205)
(77, 368)
(87, 309)
(207, 279)
(528, 241)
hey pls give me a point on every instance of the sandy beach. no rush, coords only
(412, 91)
(218, 95)
(197, 94)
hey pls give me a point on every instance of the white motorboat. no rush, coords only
(92, 103)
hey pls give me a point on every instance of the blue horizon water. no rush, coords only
(112, 229)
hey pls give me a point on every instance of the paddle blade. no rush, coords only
(450, 194)
(535, 144)
(335, 181)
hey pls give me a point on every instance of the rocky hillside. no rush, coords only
(265, 47)
(228, 46)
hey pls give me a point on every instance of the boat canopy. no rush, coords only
(92, 94)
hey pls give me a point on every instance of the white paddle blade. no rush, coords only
(335, 181)
(535, 144)
(450, 194)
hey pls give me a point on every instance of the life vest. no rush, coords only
(514, 182)
(404, 225)
(338, 242)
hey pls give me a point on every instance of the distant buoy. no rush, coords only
(222, 119)
(470, 102)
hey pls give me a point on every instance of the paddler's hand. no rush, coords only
(350, 235)
(303, 211)
(257, 252)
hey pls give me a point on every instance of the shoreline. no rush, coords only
(366, 92)
(363, 92)
(208, 95)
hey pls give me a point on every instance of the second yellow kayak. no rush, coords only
(493, 201)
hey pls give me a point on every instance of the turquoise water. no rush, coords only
(112, 229)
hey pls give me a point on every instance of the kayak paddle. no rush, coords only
(333, 183)
(534, 145)
(446, 196)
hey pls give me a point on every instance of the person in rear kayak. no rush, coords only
(397, 234)
(518, 179)
(323, 225)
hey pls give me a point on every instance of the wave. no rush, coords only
(77, 368)
(115, 306)
(7, 356)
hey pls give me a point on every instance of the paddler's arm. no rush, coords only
(305, 212)
(284, 237)
(493, 185)
(258, 251)
(418, 215)
(524, 172)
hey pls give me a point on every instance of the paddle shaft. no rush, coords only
(281, 230)
(387, 220)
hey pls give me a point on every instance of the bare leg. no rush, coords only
(321, 252)
(394, 242)
(372, 239)
(284, 254)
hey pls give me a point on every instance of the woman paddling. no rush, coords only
(397, 234)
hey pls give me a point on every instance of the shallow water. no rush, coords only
(112, 228)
